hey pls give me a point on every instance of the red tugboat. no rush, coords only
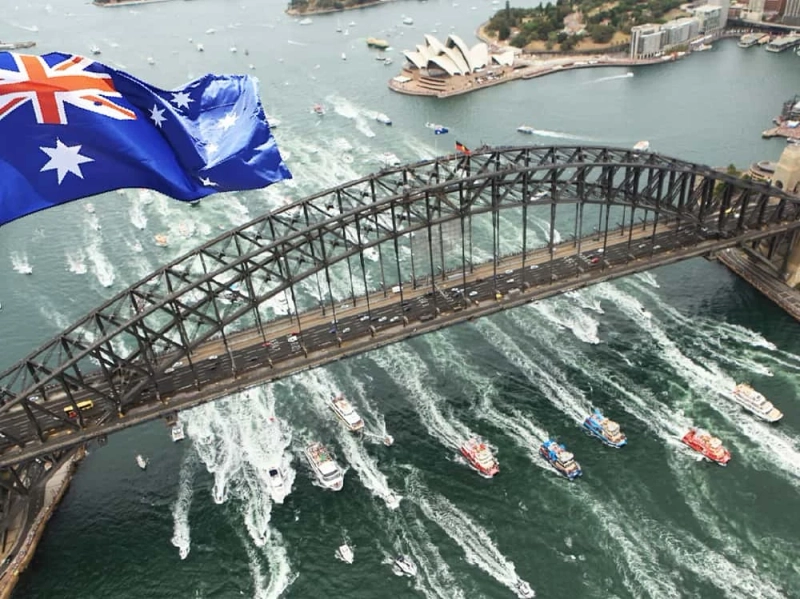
(709, 446)
(480, 457)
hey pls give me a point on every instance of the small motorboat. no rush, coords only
(560, 459)
(523, 590)
(200, 48)
(177, 432)
(382, 118)
(604, 429)
(641, 146)
(388, 159)
(95, 50)
(708, 446)
(344, 56)
(408, 21)
(404, 566)
(480, 457)
(526, 129)
(151, 60)
(388, 440)
(277, 483)
(437, 129)
(161, 240)
(318, 109)
(306, 21)
(346, 413)
(234, 49)
(345, 553)
(142, 462)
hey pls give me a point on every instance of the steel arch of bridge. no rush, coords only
(123, 346)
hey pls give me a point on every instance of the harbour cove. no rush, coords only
(653, 351)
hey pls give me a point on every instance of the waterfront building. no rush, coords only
(647, 41)
(710, 18)
(680, 31)
(454, 57)
(791, 14)
(725, 6)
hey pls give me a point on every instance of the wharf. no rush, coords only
(782, 130)
(16, 45)
(763, 277)
(22, 539)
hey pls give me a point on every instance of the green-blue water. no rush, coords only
(652, 351)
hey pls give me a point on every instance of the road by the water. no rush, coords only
(655, 351)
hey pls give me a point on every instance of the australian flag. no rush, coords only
(71, 127)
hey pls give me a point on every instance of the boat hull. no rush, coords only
(569, 474)
(595, 432)
(489, 473)
(691, 441)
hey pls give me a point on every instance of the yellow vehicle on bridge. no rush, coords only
(83, 406)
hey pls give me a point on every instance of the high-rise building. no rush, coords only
(710, 18)
(725, 6)
(792, 10)
(647, 40)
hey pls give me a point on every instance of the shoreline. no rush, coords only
(324, 11)
(53, 489)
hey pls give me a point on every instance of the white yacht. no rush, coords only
(382, 118)
(523, 590)
(526, 129)
(755, 403)
(177, 432)
(346, 413)
(141, 461)
(404, 566)
(324, 466)
(345, 553)
(277, 483)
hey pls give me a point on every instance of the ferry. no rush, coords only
(277, 483)
(177, 432)
(641, 146)
(403, 565)
(710, 447)
(526, 129)
(784, 42)
(524, 590)
(755, 403)
(345, 553)
(374, 42)
(382, 118)
(604, 429)
(346, 413)
(560, 459)
(749, 39)
(324, 466)
(480, 457)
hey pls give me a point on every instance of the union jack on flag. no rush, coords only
(48, 88)
(72, 127)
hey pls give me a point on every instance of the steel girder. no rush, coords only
(121, 347)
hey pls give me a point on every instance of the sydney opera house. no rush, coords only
(454, 57)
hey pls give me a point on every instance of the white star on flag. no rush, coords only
(181, 99)
(227, 121)
(157, 114)
(208, 182)
(212, 148)
(64, 159)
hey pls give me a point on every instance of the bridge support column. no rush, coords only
(792, 276)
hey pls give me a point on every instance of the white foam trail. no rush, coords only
(101, 265)
(76, 262)
(320, 384)
(181, 537)
(583, 326)
(539, 371)
(19, 262)
(474, 540)
(648, 278)
(137, 215)
(559, 134)
(411, 375)
(612, 78)
(280, 568)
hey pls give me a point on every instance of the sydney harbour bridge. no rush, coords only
(399, 253)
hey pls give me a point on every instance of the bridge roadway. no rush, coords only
(358, 329)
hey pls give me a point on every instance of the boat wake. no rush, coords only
(181, 537)
(19, 262)
(627, 75)
(101, 265)
(560, 135)
(479, 550)
(76, 262)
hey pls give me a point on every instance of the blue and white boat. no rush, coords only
(604, 429)
(437, 129)
(560, 459)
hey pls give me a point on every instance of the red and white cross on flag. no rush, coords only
(49, 88)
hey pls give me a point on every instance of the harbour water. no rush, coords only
(653, 351)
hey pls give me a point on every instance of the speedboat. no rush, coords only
(389, 159)
(560, 459)
(161, 240)
(755, 403)
(277, 483)
(382, 118)
(388, 440)
(200, 48)
(526, 129)
(387, 61)
(318, 109)
(306, 21)
(404, 566)
(345, 553)
(150, 60)
(95, 50)
(709, 446)
(324, 466)
(141, 461)
(177, 432)
(437, 129)
(523, 590)
(641, 146)
(604, 429)
(480, 457)
(344, 56)
(346, 413)
(408, 21)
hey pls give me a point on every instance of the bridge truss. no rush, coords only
(422, 220)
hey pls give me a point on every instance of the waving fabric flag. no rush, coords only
(71, 127)
(462, 148)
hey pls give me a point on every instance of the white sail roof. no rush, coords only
(454, 56)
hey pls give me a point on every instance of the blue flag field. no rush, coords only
(71, 127)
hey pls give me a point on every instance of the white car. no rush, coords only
(291, 338)
(534, 266)
(509, 272)
(473, 293)
(364, 318)
(394, 319)
(211, 358)
(382, 319)
(345, 330)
